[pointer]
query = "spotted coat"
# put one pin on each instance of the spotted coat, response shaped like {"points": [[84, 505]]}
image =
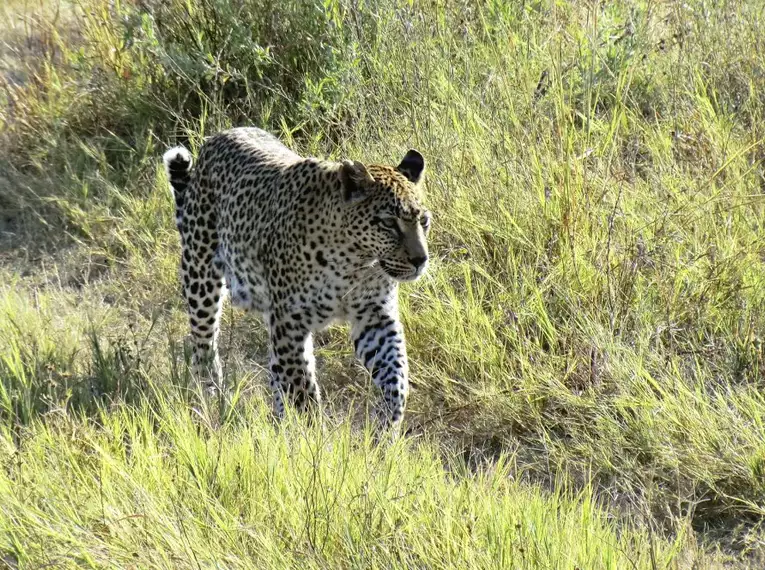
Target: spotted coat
{"points": [[304, 242]]}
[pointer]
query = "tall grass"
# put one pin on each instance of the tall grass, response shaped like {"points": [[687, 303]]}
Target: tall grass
{"points": [[596, 306], [162, 487]]}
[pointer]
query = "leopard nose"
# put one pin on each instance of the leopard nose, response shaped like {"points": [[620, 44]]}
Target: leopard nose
{"points": [[418, 261]]}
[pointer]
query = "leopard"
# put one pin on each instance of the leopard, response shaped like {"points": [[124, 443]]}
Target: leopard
{"points": [[305, 242]]}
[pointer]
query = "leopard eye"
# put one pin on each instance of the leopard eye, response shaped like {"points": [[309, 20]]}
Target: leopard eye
{"points": [[391, 223], [425, 221]]}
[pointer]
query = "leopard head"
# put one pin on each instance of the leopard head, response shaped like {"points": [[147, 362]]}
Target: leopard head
{"points": [[384, 216]]}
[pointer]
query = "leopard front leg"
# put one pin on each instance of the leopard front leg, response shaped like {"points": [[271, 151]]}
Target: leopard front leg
{"points": [[292, 367], [378, 340]]}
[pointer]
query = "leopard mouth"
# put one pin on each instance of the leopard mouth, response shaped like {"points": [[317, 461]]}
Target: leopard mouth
{"points": [[402, 273]]}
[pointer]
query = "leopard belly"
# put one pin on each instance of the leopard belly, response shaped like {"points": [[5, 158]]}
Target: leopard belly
{"points": [[246, 282]]}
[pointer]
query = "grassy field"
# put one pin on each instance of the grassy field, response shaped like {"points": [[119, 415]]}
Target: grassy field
{"points": [[588, 368]]}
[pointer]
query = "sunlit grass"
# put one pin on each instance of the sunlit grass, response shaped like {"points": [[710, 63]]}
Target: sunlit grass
{"points": [[168, 486]]}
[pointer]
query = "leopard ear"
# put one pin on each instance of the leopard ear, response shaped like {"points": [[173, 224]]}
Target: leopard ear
{"points": [[412, 166], [356, 181]]}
